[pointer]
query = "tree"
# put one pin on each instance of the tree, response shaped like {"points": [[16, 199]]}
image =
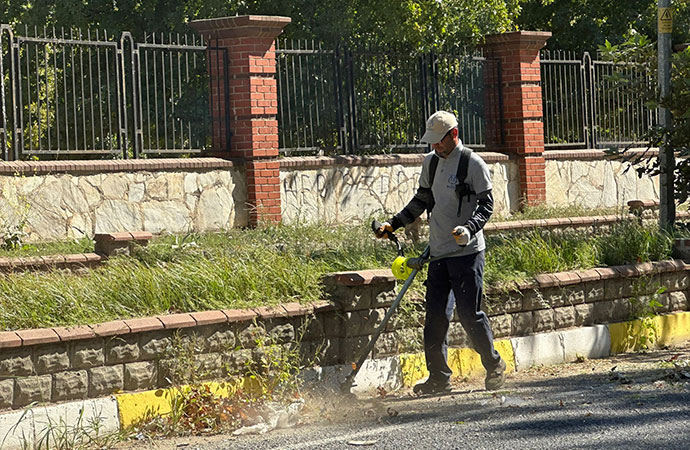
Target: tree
{"points": [[582, 25], [419, 24], [642, 51]]}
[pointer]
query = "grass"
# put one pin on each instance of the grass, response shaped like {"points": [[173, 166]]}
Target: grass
{"points": [[278, 264]]}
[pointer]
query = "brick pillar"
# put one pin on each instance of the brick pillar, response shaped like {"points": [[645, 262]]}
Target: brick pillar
{"points": [[253, 103], [518, 54]]}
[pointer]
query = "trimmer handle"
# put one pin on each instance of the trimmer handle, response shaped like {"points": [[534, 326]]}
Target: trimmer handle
{"points": [[376, 225]]}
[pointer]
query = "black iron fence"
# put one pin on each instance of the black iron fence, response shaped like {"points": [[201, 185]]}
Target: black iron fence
{"points": [[585, 106], [351, 102], [82, 95]]}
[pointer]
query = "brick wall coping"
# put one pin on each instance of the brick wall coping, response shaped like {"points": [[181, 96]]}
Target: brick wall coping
{"points": [[119, 165], [23, 338], [562, 222], [310, 162], [69, 261], [594, 154]]}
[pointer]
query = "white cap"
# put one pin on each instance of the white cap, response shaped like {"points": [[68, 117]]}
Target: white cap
{"points": [[437, 126]]}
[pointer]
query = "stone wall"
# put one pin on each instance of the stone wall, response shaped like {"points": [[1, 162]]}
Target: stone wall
{"points": [[64, 200], [345, 189], [587, 178], [56, 364]]}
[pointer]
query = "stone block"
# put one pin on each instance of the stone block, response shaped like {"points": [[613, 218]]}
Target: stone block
{"points": [[387, 344], [604, 312], [410, 340], [543, 320], [141, 375], [616, 288], [665, 301], [501, 325], [282, 334], [522, 323], [594, 291], [555, 297], [32, 389], [327, 352], [352, 347], [584, 314], [534, 299], [575, 295], [334, 324], [622, 309], [209, 365], [456, 335], [314, 328], [222, 339], [122, 350], [251, 335], [16, 363], [564, 317], [154, 345], [349, 298], [363, 322], [506, 301], [239, 360], [88, 354], [6, 393], [70, 385], [105, 380], [52, 359], [383, 294], [675, 281], [678, 301]]}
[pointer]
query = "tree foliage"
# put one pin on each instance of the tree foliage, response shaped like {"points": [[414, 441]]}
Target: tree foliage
{"points": [[642, 51], [582, 25], [418, 23]]}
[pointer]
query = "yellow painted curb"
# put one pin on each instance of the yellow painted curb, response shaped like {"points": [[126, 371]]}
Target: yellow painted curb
{"points": [[464, 362], [137, 406], [654, 331]]}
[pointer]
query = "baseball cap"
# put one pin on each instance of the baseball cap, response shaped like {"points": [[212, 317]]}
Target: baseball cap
{"points": [[437, 126]]}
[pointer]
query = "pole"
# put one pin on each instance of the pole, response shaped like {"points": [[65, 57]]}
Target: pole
{"points": [[667, 206]]}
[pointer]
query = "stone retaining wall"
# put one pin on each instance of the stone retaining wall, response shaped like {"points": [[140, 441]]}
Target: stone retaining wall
{"points": [[47, 200], [56, 364]]}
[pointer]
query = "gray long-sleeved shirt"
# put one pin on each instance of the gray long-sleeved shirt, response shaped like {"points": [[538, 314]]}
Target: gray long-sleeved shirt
{"points": [[476, 208]]}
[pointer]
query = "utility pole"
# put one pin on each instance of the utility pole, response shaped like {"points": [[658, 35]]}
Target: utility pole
{"points": [[667, 164]]}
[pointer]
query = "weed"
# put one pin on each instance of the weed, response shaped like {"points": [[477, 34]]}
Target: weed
{"points": [[644, 308]]}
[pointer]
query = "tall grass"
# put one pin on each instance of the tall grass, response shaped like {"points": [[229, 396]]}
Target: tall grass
{"points": [[277, 264]]}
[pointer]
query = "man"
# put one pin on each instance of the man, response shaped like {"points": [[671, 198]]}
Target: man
{"points": [[456, 268]]}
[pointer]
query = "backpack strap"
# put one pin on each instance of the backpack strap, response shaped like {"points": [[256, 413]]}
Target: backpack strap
{"points": [[432, 173], [432, 169], [463, 189]]}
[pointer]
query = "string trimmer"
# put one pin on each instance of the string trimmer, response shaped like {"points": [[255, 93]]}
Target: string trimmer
{"points": [[402, 271]]}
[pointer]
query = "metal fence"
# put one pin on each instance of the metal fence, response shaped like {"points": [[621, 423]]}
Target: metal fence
{"points": [[83, 95], [586, 106], [341, 101]]}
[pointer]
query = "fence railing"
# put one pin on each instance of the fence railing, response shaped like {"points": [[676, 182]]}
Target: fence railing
{"points": [[345, 101], [585, 107], [83, 95]]}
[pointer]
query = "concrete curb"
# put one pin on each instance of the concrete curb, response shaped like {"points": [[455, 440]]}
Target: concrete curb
{"points": [[28, 426]]}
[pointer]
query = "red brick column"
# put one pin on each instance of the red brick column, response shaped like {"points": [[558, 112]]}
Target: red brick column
{"points": [[253, 103], [518, 53]]}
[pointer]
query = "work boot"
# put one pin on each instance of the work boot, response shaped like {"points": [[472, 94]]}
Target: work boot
{"points": [[432, 386], [496, 377]]}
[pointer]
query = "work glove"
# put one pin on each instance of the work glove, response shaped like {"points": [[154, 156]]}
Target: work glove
{"points": [[461, 235], [383, 230], [415, 263]]}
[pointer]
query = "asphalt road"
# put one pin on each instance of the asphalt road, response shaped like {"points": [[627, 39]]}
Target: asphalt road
{"points": [[627, 402]]}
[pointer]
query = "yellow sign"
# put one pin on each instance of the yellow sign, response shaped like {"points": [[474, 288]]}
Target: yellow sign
{"points": [[665, 20]]}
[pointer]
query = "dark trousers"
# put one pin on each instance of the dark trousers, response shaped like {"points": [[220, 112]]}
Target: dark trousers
{"points": [[457, 282]]}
